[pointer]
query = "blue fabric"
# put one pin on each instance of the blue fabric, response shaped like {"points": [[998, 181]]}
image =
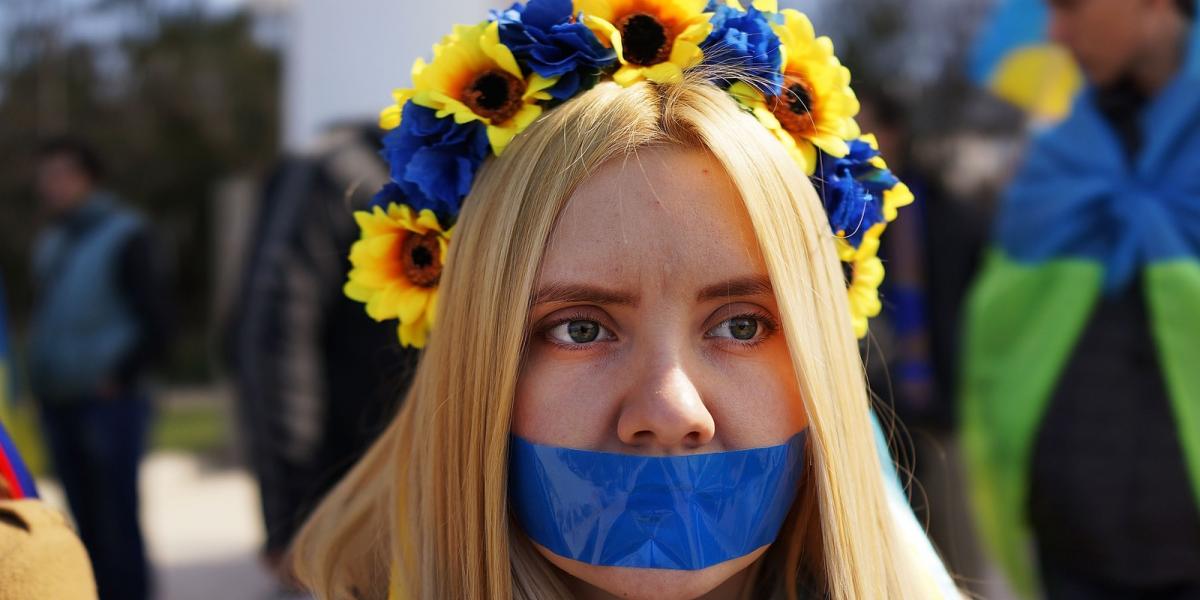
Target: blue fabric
{"points": [[1077, 197], [96, 445], [659, 512], [82, 327]]}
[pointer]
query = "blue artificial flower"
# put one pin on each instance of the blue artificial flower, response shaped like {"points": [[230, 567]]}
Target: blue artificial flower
{"points": [[744, 39], [548, 38], [432, 161], [852, 189]]}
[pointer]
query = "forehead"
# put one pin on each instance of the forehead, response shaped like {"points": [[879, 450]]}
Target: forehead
{"points": [[663, 214]]}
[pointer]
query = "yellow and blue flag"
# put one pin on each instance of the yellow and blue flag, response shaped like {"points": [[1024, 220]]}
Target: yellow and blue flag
{"points": [[1015, 60]]}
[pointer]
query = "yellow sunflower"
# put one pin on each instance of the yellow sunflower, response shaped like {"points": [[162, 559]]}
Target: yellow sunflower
{"points": [[868, 247], [867, 274], [816, 108], [653, 39], [475, 77], [389, 118], [396, 266]]}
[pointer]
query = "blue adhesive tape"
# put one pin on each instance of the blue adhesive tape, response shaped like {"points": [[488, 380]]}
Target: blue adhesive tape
{"points": [[656, 512]]}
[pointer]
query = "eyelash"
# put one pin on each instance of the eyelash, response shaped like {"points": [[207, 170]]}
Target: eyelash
{"points": [[768, 323], [545, 333]]}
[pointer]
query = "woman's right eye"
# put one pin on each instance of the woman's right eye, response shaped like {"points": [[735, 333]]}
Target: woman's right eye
{"points": [[578, 331]]}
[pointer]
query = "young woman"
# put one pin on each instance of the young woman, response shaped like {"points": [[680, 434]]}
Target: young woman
{"points": [[643, 381]]}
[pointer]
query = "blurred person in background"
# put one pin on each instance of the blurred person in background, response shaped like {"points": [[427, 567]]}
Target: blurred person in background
{"points": [[1082, 404], [918, 333], [101, 317], [317, 379]]}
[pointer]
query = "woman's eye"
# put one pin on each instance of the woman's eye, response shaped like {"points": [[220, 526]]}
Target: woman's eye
{"points": [[742, 329], [578, 331]]}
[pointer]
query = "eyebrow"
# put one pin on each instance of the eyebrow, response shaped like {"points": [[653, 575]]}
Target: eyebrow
{"points": [[755, 285], [555, 293]]}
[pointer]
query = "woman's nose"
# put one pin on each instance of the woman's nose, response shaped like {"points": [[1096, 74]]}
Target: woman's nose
{"points": [[665, 413]]}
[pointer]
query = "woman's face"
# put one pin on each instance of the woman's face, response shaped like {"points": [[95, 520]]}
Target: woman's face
{"points": [[654, 331]]}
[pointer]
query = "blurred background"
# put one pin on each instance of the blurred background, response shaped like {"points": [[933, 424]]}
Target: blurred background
{"points": [[208, 113]]}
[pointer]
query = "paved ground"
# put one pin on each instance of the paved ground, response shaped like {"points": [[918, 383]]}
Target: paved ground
{"points": [[202, 529]]}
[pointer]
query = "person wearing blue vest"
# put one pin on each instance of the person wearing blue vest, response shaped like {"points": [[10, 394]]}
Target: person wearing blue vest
{"points": [[101, 317]]}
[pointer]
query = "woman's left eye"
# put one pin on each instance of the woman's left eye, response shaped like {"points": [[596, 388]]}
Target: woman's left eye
{"points": [[742, 329]]}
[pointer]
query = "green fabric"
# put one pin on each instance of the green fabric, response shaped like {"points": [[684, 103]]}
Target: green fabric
{"points": [[1173, 298], [1022, 321]]}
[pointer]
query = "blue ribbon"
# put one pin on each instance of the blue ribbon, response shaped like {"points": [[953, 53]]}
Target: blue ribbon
{"points": [[657, 512]]}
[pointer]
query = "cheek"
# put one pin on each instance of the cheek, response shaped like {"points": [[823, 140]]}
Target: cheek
{"points": [[570, 402], [756, 401]]}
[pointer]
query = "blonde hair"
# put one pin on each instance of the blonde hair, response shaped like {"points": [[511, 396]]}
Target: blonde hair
{"points": [[425, 512]]}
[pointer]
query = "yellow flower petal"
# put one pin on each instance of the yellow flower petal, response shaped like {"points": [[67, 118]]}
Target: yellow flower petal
{"points": [[629, 75], [808, 156], [389, 118], [410, 303], [491, 46], [895, 198], [378, 276], [357, 292], [665, 72]]}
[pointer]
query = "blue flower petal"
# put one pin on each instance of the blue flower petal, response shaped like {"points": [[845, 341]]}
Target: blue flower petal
{"points": [[745, 40], [546, 38], [432, 162], [852, 189]]}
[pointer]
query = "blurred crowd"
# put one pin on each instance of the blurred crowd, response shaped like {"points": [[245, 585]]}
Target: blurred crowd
{"points": [[1036, 355]]}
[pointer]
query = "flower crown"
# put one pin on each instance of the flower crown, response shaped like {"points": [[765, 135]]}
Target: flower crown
{"points": [[487, 82]]}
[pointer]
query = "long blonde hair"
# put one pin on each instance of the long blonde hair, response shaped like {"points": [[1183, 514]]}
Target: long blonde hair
{"points": [[425, 512]]}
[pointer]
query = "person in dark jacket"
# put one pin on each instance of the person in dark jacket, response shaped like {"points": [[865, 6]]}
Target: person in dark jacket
{"points": [[317, 380], [100, 319]]}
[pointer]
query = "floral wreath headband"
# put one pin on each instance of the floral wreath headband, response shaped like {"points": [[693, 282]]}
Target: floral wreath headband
{"points": [[487, 82]]}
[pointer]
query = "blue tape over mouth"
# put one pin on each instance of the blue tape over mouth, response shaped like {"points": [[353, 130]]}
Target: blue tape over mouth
{"points": [[655, 512]]}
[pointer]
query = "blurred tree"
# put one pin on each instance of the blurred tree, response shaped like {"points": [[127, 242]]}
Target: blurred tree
{"points": [[175, 99]]}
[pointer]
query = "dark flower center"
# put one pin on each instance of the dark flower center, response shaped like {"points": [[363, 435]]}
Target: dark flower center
{"points": [[495, 95], [795, 106], [421, 257], [644, 39]]}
